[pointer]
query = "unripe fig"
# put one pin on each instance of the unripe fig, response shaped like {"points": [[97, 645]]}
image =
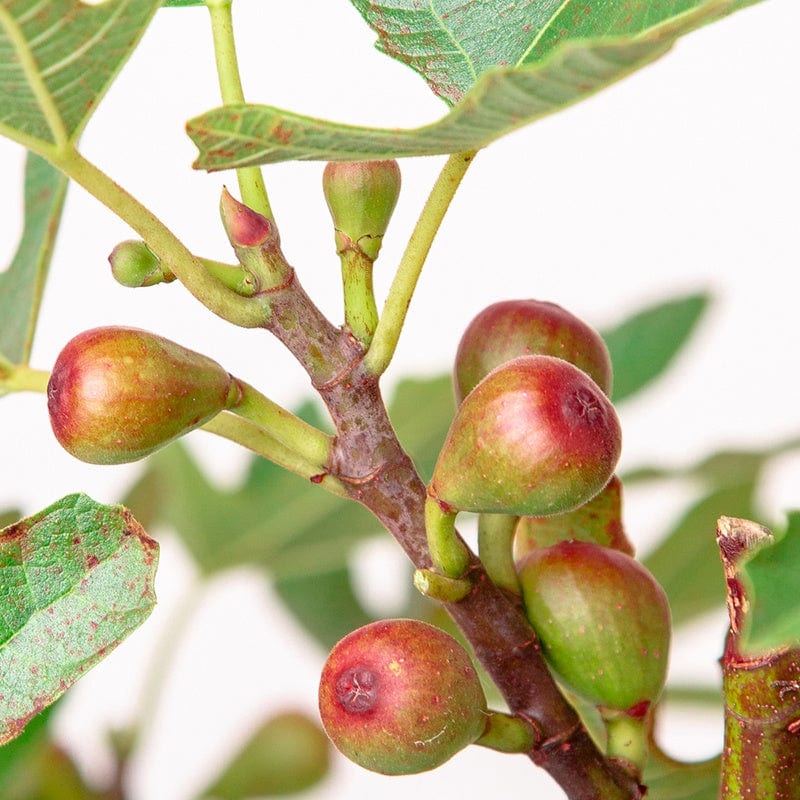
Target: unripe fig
{"points": [[598, 521], [361, 197], [603, 622], [513, 328], [117, 394], [134, 264], [400, 696], [536, 436]]}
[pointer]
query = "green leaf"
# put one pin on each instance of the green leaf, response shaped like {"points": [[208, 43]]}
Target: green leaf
{"points": [[421, 412], [451, 44], [75, 580], [643, 346], [687, 564], [57, 59], [22, 284], [774, 577], [501, 100], [672, 780]]}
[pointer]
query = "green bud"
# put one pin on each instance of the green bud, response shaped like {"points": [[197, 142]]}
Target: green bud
{"points": [[134, 264], [513, 328], [361, 197], [603, 622], [536, 436], [118, 394], [401, 696]]}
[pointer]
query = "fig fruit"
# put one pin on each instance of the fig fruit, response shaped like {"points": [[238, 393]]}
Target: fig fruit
{"points": [[400, 696], [361, 196], [603, 622], [536, 436], [513, 328], [117, 394], [598, 521]]}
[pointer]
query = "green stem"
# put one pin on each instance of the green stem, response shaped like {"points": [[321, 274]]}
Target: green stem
{"points": [[24, 379], [507, 733], [496, 549], [448, 553], [223, 301], [394, 311], [441, 588], [310, 444], [360, 311], [627, 739], [250, 435], [251, 179]]}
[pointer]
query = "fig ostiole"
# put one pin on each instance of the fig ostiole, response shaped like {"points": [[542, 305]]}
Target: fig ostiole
{"points": [[117, 394], [511, 328], [400, 697]]}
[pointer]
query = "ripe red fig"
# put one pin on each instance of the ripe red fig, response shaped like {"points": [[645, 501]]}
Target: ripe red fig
{"points": [[603, 622], [117, 394], [400, 696], [599, 521], [536, 436], [513, 328]]}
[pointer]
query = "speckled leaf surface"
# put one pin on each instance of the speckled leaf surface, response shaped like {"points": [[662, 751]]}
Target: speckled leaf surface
{"points": [[491, 96], [75, 580], [57, 58]]}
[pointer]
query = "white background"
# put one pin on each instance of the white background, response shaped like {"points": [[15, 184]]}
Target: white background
{"points": [[683, 177]]}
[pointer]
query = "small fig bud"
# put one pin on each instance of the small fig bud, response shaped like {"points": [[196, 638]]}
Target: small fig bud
{"points": [[361, 197], [400, 697], [117, 394], [288, 754], [512, 328], [134, 264], [598, 521], [603, 622], [536, 436]]}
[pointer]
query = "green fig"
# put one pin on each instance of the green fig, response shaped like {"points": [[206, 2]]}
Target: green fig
{"points": [[117, 394], [361, 196], [536, 436], [603, 622], [134, 264], [513, 328], [400, 697], [599, 521]]}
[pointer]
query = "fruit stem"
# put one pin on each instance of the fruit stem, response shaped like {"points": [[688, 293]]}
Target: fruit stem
{"points": [[439, 587], [393, 316], [22, 378], [251, 179], [225, 303], [496, 549], [360, 310], [250, 435], [311, 445], [627, 739], [507, 733], [448, 553]]}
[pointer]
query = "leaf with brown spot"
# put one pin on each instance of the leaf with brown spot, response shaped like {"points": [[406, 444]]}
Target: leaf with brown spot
{"points": [[75, 580]]}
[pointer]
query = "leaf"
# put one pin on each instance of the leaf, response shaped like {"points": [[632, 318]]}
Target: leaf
{"points": [[75, 580], [667, 779], [501, 100], [57, 59], [451, 44], [421, 412], [644, 345], [22, 284], [686, 563], [774, 577]]}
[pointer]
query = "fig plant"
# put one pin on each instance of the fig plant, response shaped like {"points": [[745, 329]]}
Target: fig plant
{"points": [[550, 618]]}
